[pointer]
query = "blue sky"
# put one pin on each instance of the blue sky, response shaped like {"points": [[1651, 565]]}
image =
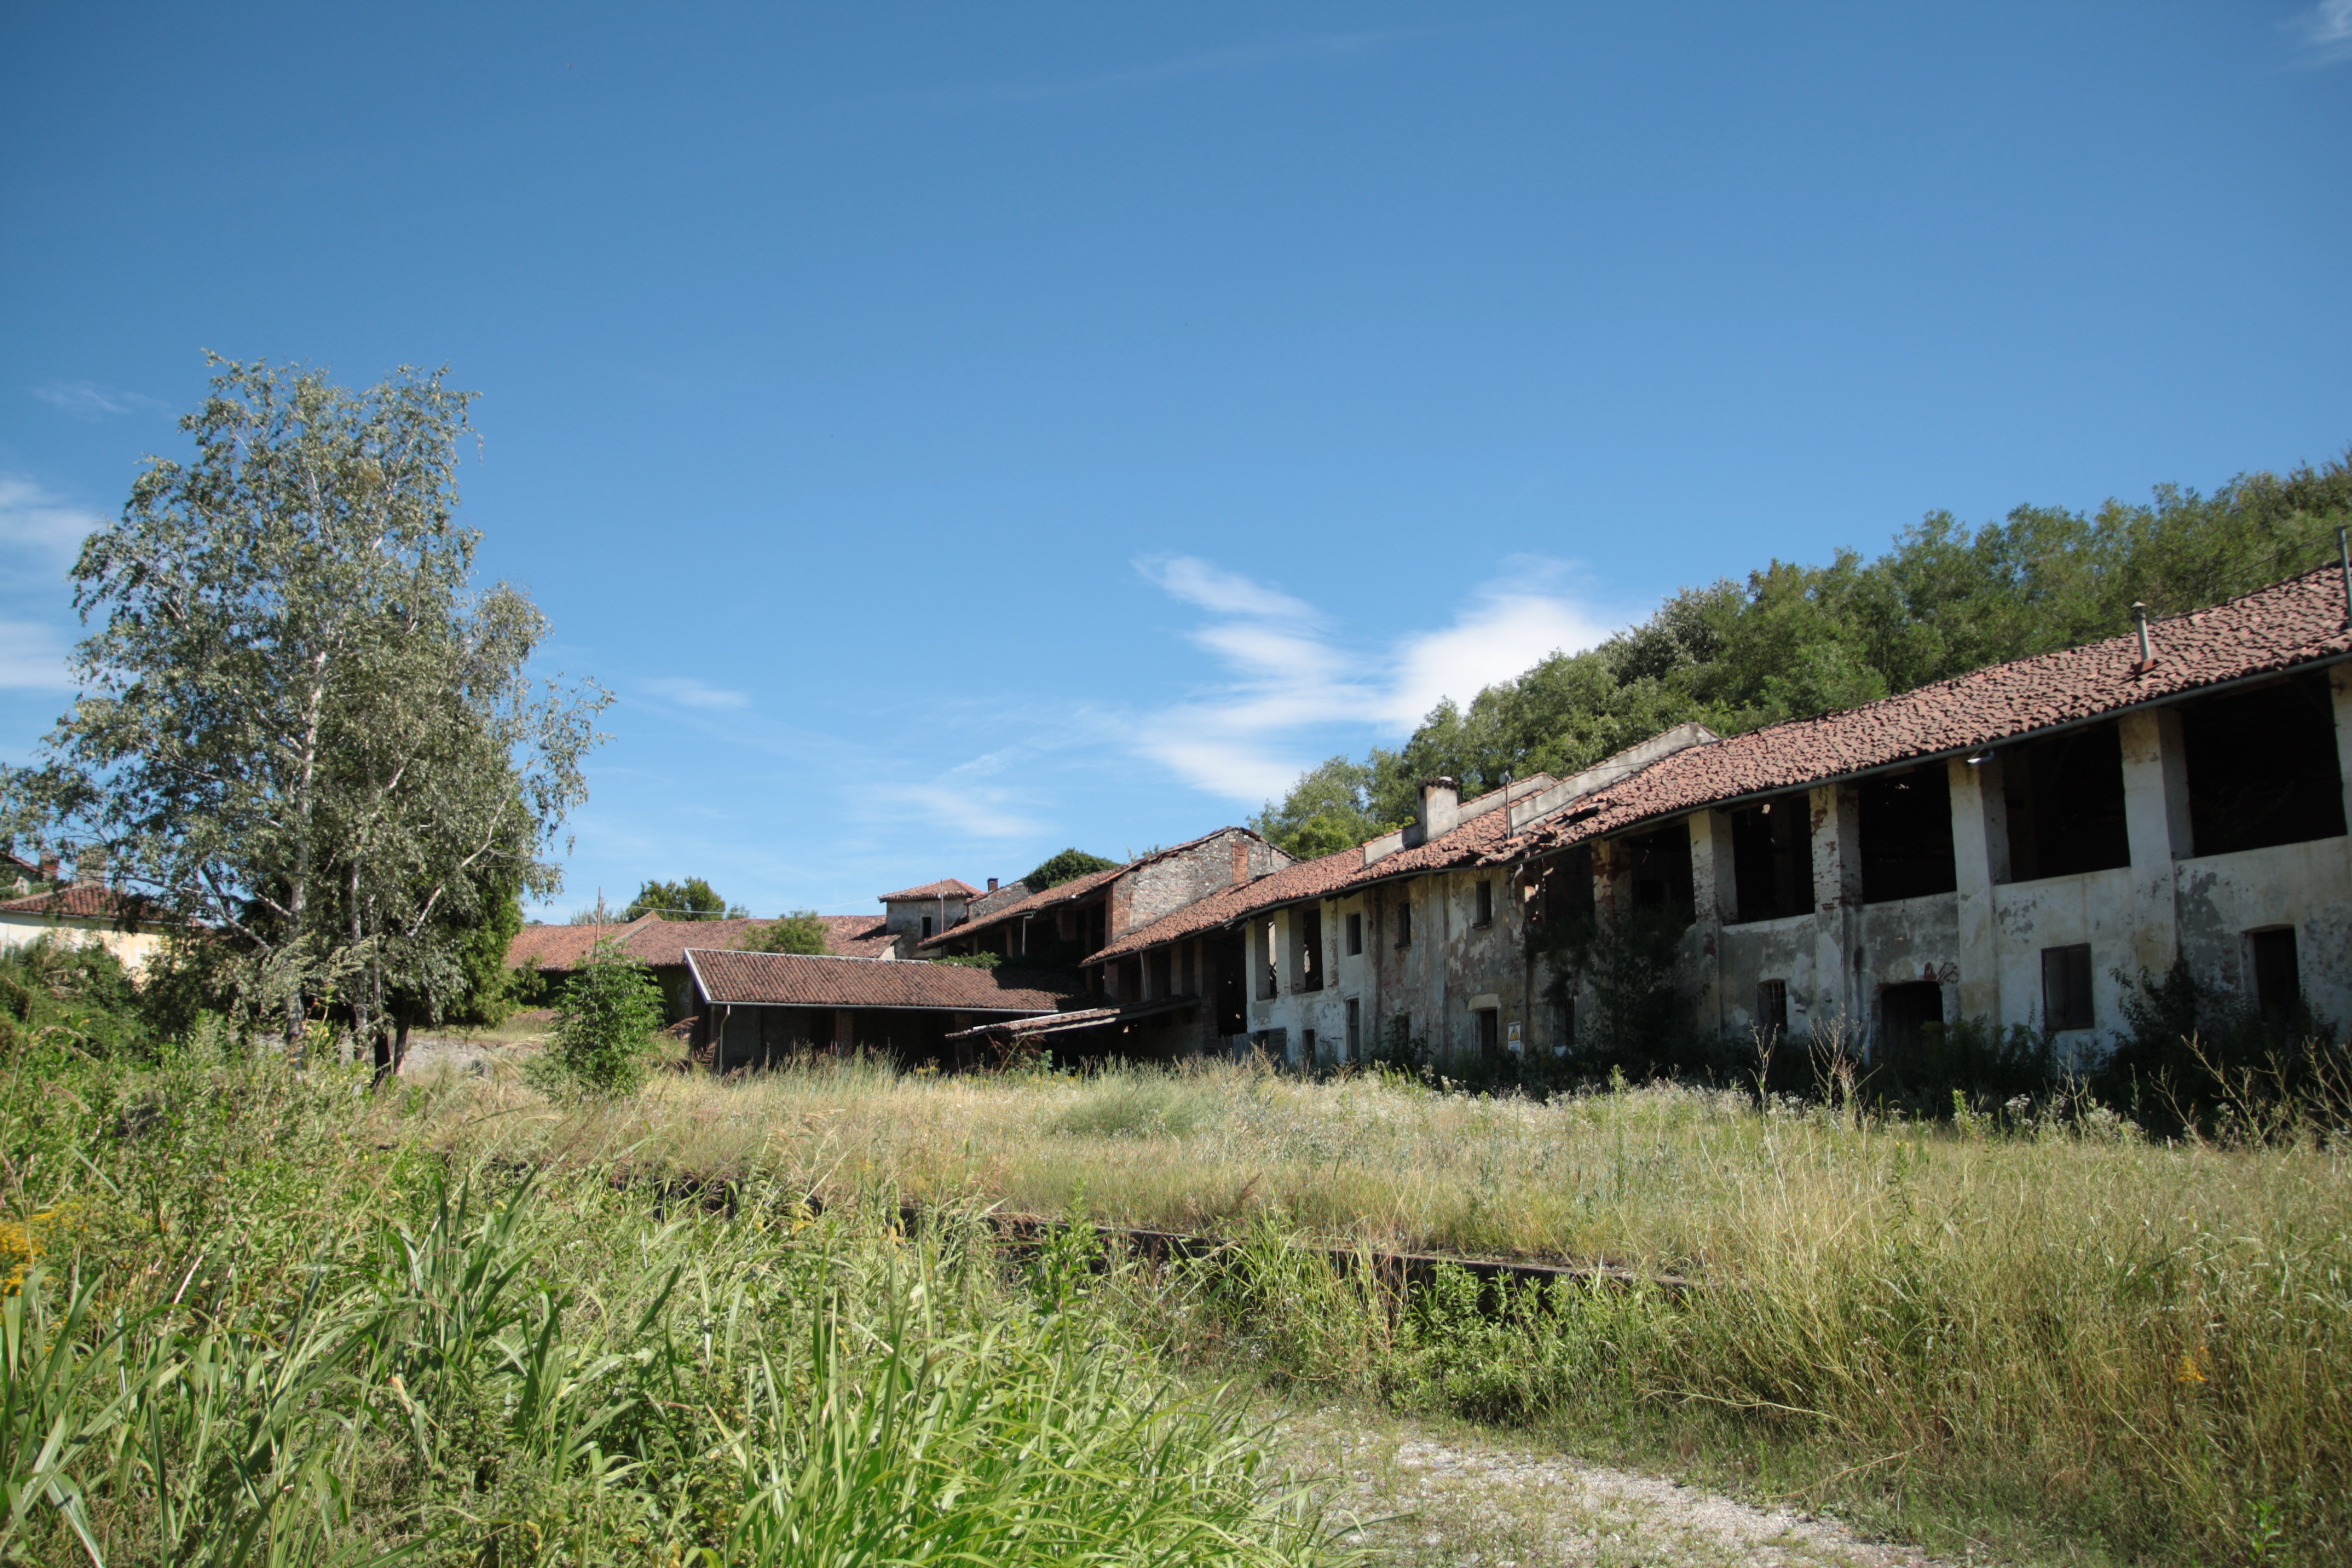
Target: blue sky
{"points": [[955, 432]]}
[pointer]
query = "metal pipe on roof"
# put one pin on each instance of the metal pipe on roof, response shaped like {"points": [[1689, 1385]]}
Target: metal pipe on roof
{"points": [[2139, 620], [2344, 560]]}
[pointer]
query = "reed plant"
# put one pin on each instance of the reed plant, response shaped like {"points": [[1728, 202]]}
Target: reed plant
{"points": [[283, 1327]]}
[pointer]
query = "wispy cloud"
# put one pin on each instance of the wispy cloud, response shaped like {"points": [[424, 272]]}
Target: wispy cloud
{"points": [[976, 811], [88, 400], [34, 519], [1247, 738], [2326, 30], [688, 692], [32, 658]]}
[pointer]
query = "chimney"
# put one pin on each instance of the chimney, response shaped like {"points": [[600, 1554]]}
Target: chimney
{"points": [[1241, 861], [991, 884], [1441, 808], [90, 865], [48, 865]]}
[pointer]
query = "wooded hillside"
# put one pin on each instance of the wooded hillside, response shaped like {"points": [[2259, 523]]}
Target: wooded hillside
{"points": [[1791, 640]]}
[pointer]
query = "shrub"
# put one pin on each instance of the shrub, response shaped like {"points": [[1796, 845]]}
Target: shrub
{"points": [[604, 1026], [1068, 865], [799, 932]]}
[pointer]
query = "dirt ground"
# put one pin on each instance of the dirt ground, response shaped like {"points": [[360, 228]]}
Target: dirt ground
{"points": [[1421, 1496]]}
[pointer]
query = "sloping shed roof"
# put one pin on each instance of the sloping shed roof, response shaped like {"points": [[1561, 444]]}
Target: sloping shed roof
{"points": [[949, 888], [1326, 877], [2300, 622], [1060, 893], [792, 980]]}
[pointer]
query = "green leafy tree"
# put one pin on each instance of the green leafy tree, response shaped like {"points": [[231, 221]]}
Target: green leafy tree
{"points": [[300, 723], [799, 932], [1067, 866], [603, 1025], [1330, 808], [689, 899]]}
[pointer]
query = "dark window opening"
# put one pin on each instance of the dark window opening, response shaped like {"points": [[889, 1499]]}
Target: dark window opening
{"points": [[1907, 834], [1310, 949], [1659, 866], [1355, 1030], [2066, 801], [1564, 887], [2278, 972], [1772, 1007], [1404, 925], [1130, 980], [1355, 935], [1229, 956], [1156, 975], [1772, 858], [1307, 1048], [1483, 904], [1266, 979], [2261, 767], [1904, 1013], [927, 926], [1490, 1043], [2066, 987]]}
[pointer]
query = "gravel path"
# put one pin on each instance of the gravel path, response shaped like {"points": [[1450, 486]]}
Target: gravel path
{"points": [[1465, 1501]]}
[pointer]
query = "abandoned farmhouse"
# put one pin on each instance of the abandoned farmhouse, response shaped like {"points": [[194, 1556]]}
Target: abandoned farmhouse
{"points": [[2014, 845]]}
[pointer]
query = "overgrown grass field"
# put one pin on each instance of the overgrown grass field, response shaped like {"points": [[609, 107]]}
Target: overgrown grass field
{"points": [[264, 1316], [2059, 1334]]}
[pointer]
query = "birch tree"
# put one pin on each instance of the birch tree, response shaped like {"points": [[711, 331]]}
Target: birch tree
{"points": [[300, 724]]}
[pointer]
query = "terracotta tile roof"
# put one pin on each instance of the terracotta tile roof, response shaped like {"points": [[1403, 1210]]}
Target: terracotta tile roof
{"points": [[651, 940], [2297, 622], [857, 936], [86, 901], [563, 947], [1324, 878], [778, 979], [950, 888], [1060, 893]]}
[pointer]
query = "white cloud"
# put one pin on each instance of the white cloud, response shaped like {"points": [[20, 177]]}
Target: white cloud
{"points": [[34, 519], [88, 400], [1248, 738], [32, 658], [2327, 29], [688, 692], [980, 813]]}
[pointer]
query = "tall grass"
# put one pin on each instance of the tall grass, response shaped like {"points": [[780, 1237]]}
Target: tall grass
{"points": [[279, 1329], [2148, 1346]]}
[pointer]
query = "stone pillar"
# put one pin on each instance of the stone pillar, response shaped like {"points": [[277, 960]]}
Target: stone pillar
{"points": [[1714, 898], [2156, 819], [1980, 859], [1837, 911]]}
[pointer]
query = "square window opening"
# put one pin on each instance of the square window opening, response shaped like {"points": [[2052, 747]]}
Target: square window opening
{"points": [[2066, 987]]}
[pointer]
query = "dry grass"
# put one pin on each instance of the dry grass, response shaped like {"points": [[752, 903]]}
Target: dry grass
{"points": [[2149, 1345]]}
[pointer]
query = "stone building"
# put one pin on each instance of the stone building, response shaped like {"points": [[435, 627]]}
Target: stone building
{"points": [[2017, 844]]}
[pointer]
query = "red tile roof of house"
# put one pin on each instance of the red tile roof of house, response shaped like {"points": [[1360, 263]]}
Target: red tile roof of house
{"points": [[563, 947], [2299, 623], [778, 979], [950, 888], [86, 901], [661, 943]]}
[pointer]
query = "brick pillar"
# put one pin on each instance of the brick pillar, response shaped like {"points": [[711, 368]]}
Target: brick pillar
{"points": [[1980, 861], [1837, 911], [1715, 895], [2156, 819]]}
